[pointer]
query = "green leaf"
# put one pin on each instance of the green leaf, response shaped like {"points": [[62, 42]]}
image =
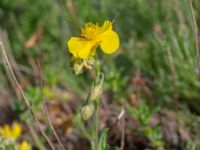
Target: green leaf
{"points": [[103, 140]]}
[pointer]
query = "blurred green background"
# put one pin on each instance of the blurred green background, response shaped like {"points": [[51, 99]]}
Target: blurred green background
{"points": [[150, 31], [156, 60]]}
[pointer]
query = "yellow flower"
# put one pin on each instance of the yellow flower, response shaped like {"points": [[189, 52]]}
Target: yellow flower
{"points": [[93, 35], [11, 132], [25, 146]]}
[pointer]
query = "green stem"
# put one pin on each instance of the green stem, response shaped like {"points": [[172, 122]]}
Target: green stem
{"points": [[96, 117], [96, 126]]}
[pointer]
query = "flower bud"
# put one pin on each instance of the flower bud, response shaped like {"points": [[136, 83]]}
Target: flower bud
{"points": [[97, 88], [87, 111], [89, 64], [78, 67], [96, 92]]}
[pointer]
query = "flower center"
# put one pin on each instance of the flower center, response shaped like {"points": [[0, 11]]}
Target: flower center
{"points": [[90, 31]]}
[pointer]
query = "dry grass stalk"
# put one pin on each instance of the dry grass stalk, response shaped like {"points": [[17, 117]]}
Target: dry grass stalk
{"points": [[26, 102]]}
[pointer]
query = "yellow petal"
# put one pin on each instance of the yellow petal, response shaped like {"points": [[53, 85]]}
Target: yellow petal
{"points": [[7, 131], [107, 26], [25, 146], [81, 48], [16, 130], [74, 45], [110, 42]]}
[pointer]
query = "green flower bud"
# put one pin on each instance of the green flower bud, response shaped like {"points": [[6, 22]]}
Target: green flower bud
{"points": [[97, 88], [78, 67], [96, 92], [87, 111]]}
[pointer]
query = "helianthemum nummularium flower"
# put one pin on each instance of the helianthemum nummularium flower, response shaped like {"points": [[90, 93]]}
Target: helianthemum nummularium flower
{"points": [[83, 49], [25, 146], [13, 132], [93, 35]]}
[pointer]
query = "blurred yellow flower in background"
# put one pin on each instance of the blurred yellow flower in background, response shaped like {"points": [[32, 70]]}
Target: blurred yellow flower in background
{"points": [[25, 146], [93, 35], [11, 132]]}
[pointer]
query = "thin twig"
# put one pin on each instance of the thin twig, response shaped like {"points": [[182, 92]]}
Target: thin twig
{"points": [[24, 97], [195, 34], [6, 69], [51, 126], [36, 138], [46, 109], [117, 120], [115, 17], [5, 40], [123, 132]]}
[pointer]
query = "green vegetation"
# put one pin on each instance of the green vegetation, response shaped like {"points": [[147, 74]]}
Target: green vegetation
{"points": [[153, 75]]}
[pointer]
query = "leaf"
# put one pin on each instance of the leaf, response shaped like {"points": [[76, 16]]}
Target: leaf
{"points": [[103, 140]]}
